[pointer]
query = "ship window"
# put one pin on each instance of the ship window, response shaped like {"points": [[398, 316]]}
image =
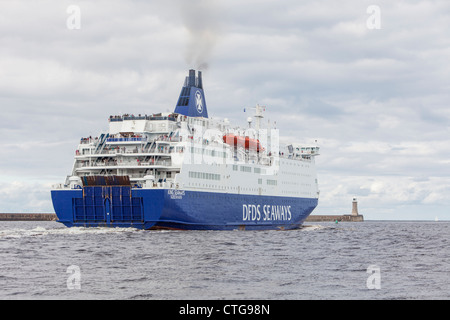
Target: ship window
{"points": [[246, 169], [204, 175]]}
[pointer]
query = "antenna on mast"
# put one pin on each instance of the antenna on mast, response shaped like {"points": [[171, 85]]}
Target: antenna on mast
{"points": [[258, 115]]}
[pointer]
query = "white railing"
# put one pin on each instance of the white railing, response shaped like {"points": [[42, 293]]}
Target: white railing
{"points": [[164, 163]]}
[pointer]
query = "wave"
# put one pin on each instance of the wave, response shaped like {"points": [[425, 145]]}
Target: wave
{"points": [[314, 227], [41, 231]]}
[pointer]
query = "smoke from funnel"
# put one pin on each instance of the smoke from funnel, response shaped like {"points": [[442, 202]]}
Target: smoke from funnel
{"points": [[201, 19]]}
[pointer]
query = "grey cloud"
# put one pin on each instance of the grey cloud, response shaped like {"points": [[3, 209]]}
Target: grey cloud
{"points": [[320, 71]]}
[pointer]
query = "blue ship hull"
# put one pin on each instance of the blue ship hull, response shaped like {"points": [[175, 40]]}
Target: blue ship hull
{"points": [[122, 206]]}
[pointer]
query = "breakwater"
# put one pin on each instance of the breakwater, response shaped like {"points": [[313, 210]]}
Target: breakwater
{"points": [[344, 218], [27, 217]]}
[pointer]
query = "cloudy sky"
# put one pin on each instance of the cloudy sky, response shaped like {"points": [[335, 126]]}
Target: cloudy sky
{"points": [[375, 93]]}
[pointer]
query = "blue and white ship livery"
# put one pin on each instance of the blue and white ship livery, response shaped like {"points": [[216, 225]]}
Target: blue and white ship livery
{"points": [[185, 170]]}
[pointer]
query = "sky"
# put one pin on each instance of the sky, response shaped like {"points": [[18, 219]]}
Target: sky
{"points": [[369, 80]]}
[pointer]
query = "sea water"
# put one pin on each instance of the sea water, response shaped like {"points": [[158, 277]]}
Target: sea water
{"points": [[366, 260]]}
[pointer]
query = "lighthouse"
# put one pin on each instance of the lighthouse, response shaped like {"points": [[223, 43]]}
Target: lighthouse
{"points": [[355, 216], [355, 207]]}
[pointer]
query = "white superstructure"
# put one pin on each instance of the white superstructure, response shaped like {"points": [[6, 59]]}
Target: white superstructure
{"points": [[195, 153]]}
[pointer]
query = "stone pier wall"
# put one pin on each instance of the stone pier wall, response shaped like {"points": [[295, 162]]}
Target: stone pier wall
{"points": [[27, 217], [345, 217]]}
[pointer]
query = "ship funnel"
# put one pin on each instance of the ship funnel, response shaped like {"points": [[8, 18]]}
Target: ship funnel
{"points": [[192, 101], [200, 82], [191, 81]]}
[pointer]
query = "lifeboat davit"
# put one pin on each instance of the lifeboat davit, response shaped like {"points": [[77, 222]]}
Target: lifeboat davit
{"points": [[244, 142]]}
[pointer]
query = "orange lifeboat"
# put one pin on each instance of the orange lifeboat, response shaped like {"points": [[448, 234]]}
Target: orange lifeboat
{"points": [[230, 139], [244, 142]]}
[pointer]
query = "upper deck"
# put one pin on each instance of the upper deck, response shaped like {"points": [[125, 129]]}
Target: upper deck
{"points": [[179, 150]]}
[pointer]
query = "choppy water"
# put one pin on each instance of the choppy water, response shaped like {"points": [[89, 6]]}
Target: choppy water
{"points": [[321, 261]]}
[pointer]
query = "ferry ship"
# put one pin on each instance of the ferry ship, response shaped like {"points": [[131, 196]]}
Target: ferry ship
{"points": [[186, 170]]}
